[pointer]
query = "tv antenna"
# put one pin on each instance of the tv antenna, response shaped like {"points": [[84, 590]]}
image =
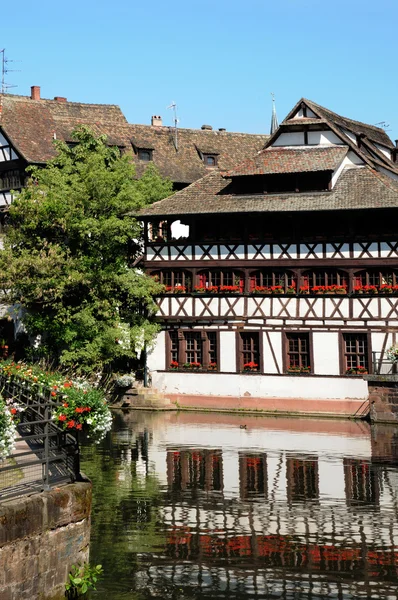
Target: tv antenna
{"points": [[5, 70], [173, 106], [383, 125]]}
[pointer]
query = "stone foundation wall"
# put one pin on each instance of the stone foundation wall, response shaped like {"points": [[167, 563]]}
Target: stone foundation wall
{"points": [[41, 536], [383, 398]]}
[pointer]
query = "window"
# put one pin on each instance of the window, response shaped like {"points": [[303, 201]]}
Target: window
{"points": [[314, 279], [144, 154], [252, 475], [10, 180], [282, 280], [298, 352], [220, 281], [188, 349], [355, 353], [380, 280], [193, 347], [361, 483], [174, 281], [195, 469], [249, 351], [302, 478], [210, 160]]}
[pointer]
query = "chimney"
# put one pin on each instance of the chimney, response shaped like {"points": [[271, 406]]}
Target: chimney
{"points": [[156, 121], [35, 92], [59, 99], [207, 128]]}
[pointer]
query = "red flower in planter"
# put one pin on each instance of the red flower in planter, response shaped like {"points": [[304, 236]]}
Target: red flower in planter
{"points": [[174, 364], [230, 288], [250, 366]]}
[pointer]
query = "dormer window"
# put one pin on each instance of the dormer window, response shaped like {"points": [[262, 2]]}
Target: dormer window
{"points": [[210, 160], [145, 154]]}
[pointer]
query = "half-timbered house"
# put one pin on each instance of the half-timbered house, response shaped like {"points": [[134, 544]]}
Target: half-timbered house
{"points": [[30, 124], [284, 282]]}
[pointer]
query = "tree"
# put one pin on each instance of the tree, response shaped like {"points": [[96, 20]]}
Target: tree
{"points": [[69, 247]]}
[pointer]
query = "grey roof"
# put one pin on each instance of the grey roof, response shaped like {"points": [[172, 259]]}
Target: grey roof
{"points": [[356, 188]]}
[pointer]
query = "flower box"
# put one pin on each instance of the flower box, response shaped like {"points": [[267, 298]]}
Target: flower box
{"points": [[357, 371], [259, 289], [212, 367], [193, 366], [298, 370], [250, 367], [230, 289], [176, 289], [202, 289]]}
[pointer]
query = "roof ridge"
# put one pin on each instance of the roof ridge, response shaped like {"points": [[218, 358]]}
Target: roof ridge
{"points": [[343, 117], [52, 100]]}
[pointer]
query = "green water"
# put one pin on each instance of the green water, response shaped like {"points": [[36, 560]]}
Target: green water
{"points": [[212, 506]]}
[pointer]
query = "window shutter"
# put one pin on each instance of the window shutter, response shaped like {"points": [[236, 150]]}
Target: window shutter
{"points": [[202, 279]]}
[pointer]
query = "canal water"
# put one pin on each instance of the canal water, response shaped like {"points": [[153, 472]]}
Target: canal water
{"points": [[201, 505]]}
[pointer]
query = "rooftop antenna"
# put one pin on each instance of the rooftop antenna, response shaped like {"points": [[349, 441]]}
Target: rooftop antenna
{"points": [[274, 118], [4, 70], [383, 125], [173, 106]]}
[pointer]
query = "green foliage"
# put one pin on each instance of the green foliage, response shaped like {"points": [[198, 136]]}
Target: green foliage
{"points": [[69, 250], [81, 579]]}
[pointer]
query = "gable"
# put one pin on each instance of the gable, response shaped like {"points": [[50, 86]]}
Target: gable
{"points": [[7, 152]]}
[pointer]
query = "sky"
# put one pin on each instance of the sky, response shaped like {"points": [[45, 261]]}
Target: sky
{"points": [[219, 60]]}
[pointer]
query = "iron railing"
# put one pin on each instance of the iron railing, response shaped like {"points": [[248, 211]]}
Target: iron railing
{"points": [[45, 455], [382, 365]]}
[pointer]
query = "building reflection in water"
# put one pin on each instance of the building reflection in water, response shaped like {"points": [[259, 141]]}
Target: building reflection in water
{"points": [[272, 514]]}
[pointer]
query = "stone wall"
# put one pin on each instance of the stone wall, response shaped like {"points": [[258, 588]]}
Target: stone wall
{"points": [[41, 536], [383, 398]]}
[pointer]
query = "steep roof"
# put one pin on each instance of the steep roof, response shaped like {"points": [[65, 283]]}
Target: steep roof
{"points": [[32, 124], [376, 134], [356, 188], [291, 160]]}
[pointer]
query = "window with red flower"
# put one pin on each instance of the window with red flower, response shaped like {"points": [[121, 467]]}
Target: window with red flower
{"points": [[249, 351], [267, 278], [197, 348]]}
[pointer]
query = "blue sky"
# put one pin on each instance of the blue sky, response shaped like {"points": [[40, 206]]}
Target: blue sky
{"points": [[219, 60]]}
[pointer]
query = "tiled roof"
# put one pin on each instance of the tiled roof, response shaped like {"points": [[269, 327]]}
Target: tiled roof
{"points": [[291, 160], [31, 125], [356, 188], [372, 132]]}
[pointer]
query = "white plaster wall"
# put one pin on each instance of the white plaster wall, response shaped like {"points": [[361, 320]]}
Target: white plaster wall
{"points": [[272, 341], [324, 138], [349, 161], [260, 386], [227, 351], [385, 150], [290, 139], [350, 135], [326, 353], [156, 359], [378, 341]]}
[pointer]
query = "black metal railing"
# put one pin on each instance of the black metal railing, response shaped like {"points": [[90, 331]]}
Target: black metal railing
{"points": [[45, 455], [381, 365]]}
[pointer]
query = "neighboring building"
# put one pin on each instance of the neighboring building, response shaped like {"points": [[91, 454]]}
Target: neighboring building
{"points": [[287, 279], [29, 125]]}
